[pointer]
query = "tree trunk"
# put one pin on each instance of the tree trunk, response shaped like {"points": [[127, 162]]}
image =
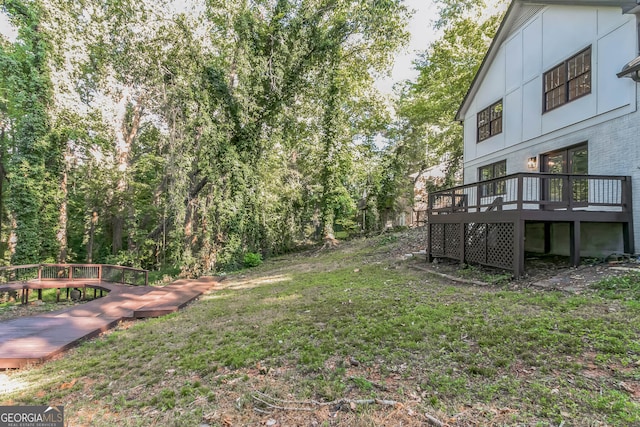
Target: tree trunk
{"points": [[330, 169], [116, 234], [92, 231], [129, 119], [61, 235], [13, 237]]}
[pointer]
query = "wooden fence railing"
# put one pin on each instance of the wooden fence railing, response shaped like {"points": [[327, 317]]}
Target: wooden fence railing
{"points": [[536, 191], [86, 273]]}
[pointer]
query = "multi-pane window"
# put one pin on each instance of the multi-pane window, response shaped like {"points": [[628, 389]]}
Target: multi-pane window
{"points": [[573, 160], [489, 172], [490, 121], [568, 81]]}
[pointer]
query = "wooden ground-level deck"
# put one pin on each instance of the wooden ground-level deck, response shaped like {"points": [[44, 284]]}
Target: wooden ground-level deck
{"points": [[34, 339]]}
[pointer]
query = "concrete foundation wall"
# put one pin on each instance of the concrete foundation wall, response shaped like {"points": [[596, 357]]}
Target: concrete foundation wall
{"points": [[597, 239]]}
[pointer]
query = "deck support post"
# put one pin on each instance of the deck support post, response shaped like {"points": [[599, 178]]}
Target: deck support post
{"points": [[57, 294], [40, 294], [547, 237], [627, 236], [462, 238], [429, 257], [518, 247], [574, 237], [627, 227]]}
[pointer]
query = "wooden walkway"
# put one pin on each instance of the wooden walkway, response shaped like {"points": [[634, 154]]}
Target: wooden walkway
{"points": [[34, 339]]}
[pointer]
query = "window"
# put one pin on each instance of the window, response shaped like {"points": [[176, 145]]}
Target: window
{"points": [[568, 81], [572, 160], [489, 172], [490, 121]]}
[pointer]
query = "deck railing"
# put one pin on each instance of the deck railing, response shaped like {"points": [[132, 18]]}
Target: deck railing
{"points": [[536, 191], [87, 273]]}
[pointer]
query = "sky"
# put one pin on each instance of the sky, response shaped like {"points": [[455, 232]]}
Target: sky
{"points": [[6, 29], [422, 35], [420, 27]]}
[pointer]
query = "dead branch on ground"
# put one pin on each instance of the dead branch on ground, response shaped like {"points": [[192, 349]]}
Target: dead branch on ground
{"points": [[273, 403]]}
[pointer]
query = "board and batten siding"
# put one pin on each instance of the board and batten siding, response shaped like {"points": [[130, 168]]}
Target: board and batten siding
{"points": [[607, 118]]}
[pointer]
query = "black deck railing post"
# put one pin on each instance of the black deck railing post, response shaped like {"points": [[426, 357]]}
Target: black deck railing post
{"points": [[567, 191], [627, 227], [571, 191], [520, 191]]}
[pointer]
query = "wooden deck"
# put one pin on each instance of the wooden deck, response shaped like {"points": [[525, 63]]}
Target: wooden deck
{"points": [[34, 339], [485, 222]]}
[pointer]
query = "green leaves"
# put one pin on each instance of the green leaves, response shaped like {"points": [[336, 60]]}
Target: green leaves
{"points": [[428, 105], [191, 138]]}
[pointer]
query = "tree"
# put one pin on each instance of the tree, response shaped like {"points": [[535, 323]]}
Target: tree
{"points": [[192, 138], [33, 164], [426, 133]]}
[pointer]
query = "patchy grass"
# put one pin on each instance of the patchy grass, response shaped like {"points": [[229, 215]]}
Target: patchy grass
{"points": [[488, 275], [621, 287], [351, 325]]}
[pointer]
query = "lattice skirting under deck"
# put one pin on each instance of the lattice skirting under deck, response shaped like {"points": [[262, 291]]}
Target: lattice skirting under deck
{"points": [[490, 244]]}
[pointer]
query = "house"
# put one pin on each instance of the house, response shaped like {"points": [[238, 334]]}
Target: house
{"points": [[423, 182], [551, 139]]}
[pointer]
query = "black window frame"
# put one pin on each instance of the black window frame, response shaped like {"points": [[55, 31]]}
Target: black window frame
{"points": [[567, 81], [489, 121], [497, 187]]}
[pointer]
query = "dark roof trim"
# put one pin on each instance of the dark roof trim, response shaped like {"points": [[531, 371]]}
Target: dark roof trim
{"points": [[631, 67], [626, 5]]}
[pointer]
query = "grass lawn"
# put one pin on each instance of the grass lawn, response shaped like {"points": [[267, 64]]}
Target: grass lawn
{"points": [[355, 337]]}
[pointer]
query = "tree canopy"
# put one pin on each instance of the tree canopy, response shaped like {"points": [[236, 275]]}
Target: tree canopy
{"points": [[189, 135], [151, 134]]}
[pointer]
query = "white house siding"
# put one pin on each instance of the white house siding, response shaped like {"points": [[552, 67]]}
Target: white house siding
{"points": [[607, 119], [515, 75]]}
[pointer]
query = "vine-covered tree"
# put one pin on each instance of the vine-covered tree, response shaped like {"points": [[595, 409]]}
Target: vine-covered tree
{"points": [[30, 153], [189, 137]]}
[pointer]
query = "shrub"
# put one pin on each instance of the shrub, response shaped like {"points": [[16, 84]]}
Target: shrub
{"points": [[252, 259]]}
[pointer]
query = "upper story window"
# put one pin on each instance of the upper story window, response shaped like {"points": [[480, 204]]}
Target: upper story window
{"points": [[568, 81], [490, 121]]}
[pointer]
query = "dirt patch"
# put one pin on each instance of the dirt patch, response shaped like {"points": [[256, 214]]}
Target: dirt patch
{"points": [[552, 274], [546, 272]]}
